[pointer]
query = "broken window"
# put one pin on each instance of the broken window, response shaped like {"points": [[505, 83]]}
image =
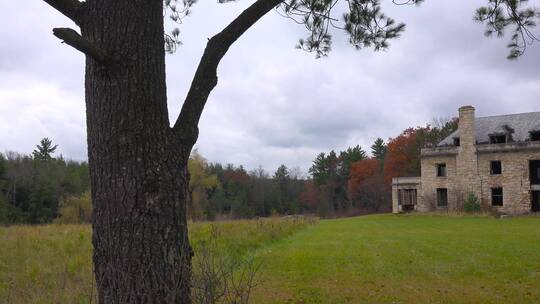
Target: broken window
{"points": [[534, 170], [441, 170], [535, 136], [456, 141], [497, 196], [407, 197], [495, 167], [442, 197], [497, 139]]}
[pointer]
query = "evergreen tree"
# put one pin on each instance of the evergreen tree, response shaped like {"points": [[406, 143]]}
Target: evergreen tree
{"points": [[128, 123], [319, 169], [281, 182], [44, 149], [348, 157], [378, 149]]}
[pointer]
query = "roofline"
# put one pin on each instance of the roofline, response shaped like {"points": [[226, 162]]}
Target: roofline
{"points": [[491, 116]]}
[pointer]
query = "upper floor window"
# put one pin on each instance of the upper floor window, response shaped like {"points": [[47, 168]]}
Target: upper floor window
{"points": [[535, 136], [456, 141], [497, 196], [497, 139], [495, 167], [441, 170]]}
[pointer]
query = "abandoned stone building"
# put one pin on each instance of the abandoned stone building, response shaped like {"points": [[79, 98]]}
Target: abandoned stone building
{"points": [[496, 158]]}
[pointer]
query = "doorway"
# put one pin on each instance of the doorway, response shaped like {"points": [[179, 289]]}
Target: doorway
{"points": [[535, 203]]}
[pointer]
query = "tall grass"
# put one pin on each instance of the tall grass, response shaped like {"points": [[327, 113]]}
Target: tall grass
{"points": [[53, 263]]}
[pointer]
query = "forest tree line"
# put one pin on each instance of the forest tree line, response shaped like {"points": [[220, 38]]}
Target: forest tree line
{"points": [[41, 188], [34, 187]]}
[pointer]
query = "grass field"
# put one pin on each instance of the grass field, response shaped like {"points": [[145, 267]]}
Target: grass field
{"points": [[406, 259], [53, 263], [370, 259]]}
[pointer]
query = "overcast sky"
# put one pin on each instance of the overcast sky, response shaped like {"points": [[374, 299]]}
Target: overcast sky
{"points": [[275, 104]]}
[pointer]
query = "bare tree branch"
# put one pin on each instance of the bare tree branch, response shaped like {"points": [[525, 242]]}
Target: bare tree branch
{"points": [[205, 78], [69, 8], [72, 38]]}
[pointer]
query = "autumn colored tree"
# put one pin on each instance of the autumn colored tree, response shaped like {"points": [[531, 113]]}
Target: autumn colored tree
{"points": [[402, 156], [366, 186], [403, 152], [309, 197], [139, 160], [236, 183], [201, 183]]}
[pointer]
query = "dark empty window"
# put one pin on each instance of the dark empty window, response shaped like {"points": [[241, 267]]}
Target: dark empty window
{"points": [[535, 136], [497, 196], [441, 170], [456, 141], [442, 197], [534, 169], [495, 167], [497, 139]]}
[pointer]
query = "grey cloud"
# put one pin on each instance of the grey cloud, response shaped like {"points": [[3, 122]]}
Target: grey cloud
{"points": [[275, 104]]}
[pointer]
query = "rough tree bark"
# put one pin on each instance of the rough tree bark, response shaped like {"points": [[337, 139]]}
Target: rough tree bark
{"points": [[138, 163]]}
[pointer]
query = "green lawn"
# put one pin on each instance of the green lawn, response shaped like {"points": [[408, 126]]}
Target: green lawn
{"points": [[405, 259], [371, 259]]}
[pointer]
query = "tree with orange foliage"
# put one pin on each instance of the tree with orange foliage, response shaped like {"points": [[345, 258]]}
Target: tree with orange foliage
{"points": [[309, 197], [403, 152], [402, 156], [366, 186]]}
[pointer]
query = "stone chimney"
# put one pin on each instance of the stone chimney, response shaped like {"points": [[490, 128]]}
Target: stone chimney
{"points": [[466, 160], [467, 136]]}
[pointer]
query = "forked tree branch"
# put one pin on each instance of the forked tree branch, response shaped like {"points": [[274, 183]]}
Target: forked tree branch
{"points": [[72, 38], [205, 78], [69, 8]]}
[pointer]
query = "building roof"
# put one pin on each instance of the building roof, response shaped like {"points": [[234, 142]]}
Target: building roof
{"points": [[520, 126]]}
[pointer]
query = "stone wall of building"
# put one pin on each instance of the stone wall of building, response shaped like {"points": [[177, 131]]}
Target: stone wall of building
{"points": [[514, 180], [469, 171], [430, 182]]}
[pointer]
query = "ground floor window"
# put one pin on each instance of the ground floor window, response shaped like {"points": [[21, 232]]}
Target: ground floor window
{"points": [[534, 169], [442, 197], [497, 196], [407, 197]]}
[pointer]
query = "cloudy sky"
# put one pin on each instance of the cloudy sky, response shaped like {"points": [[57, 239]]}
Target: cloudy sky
{"points": [[275, 104]]}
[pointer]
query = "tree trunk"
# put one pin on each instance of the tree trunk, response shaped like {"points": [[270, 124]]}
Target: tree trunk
{"points": [[138, 167], [138, 163]]}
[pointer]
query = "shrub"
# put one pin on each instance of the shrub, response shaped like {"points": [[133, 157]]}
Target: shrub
{"points": [[76, 209], [220, 277], [471, 203]]}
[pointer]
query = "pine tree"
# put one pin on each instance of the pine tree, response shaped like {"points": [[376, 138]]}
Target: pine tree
{"points": [[378, 149], [44, 149], [138, 162]]}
